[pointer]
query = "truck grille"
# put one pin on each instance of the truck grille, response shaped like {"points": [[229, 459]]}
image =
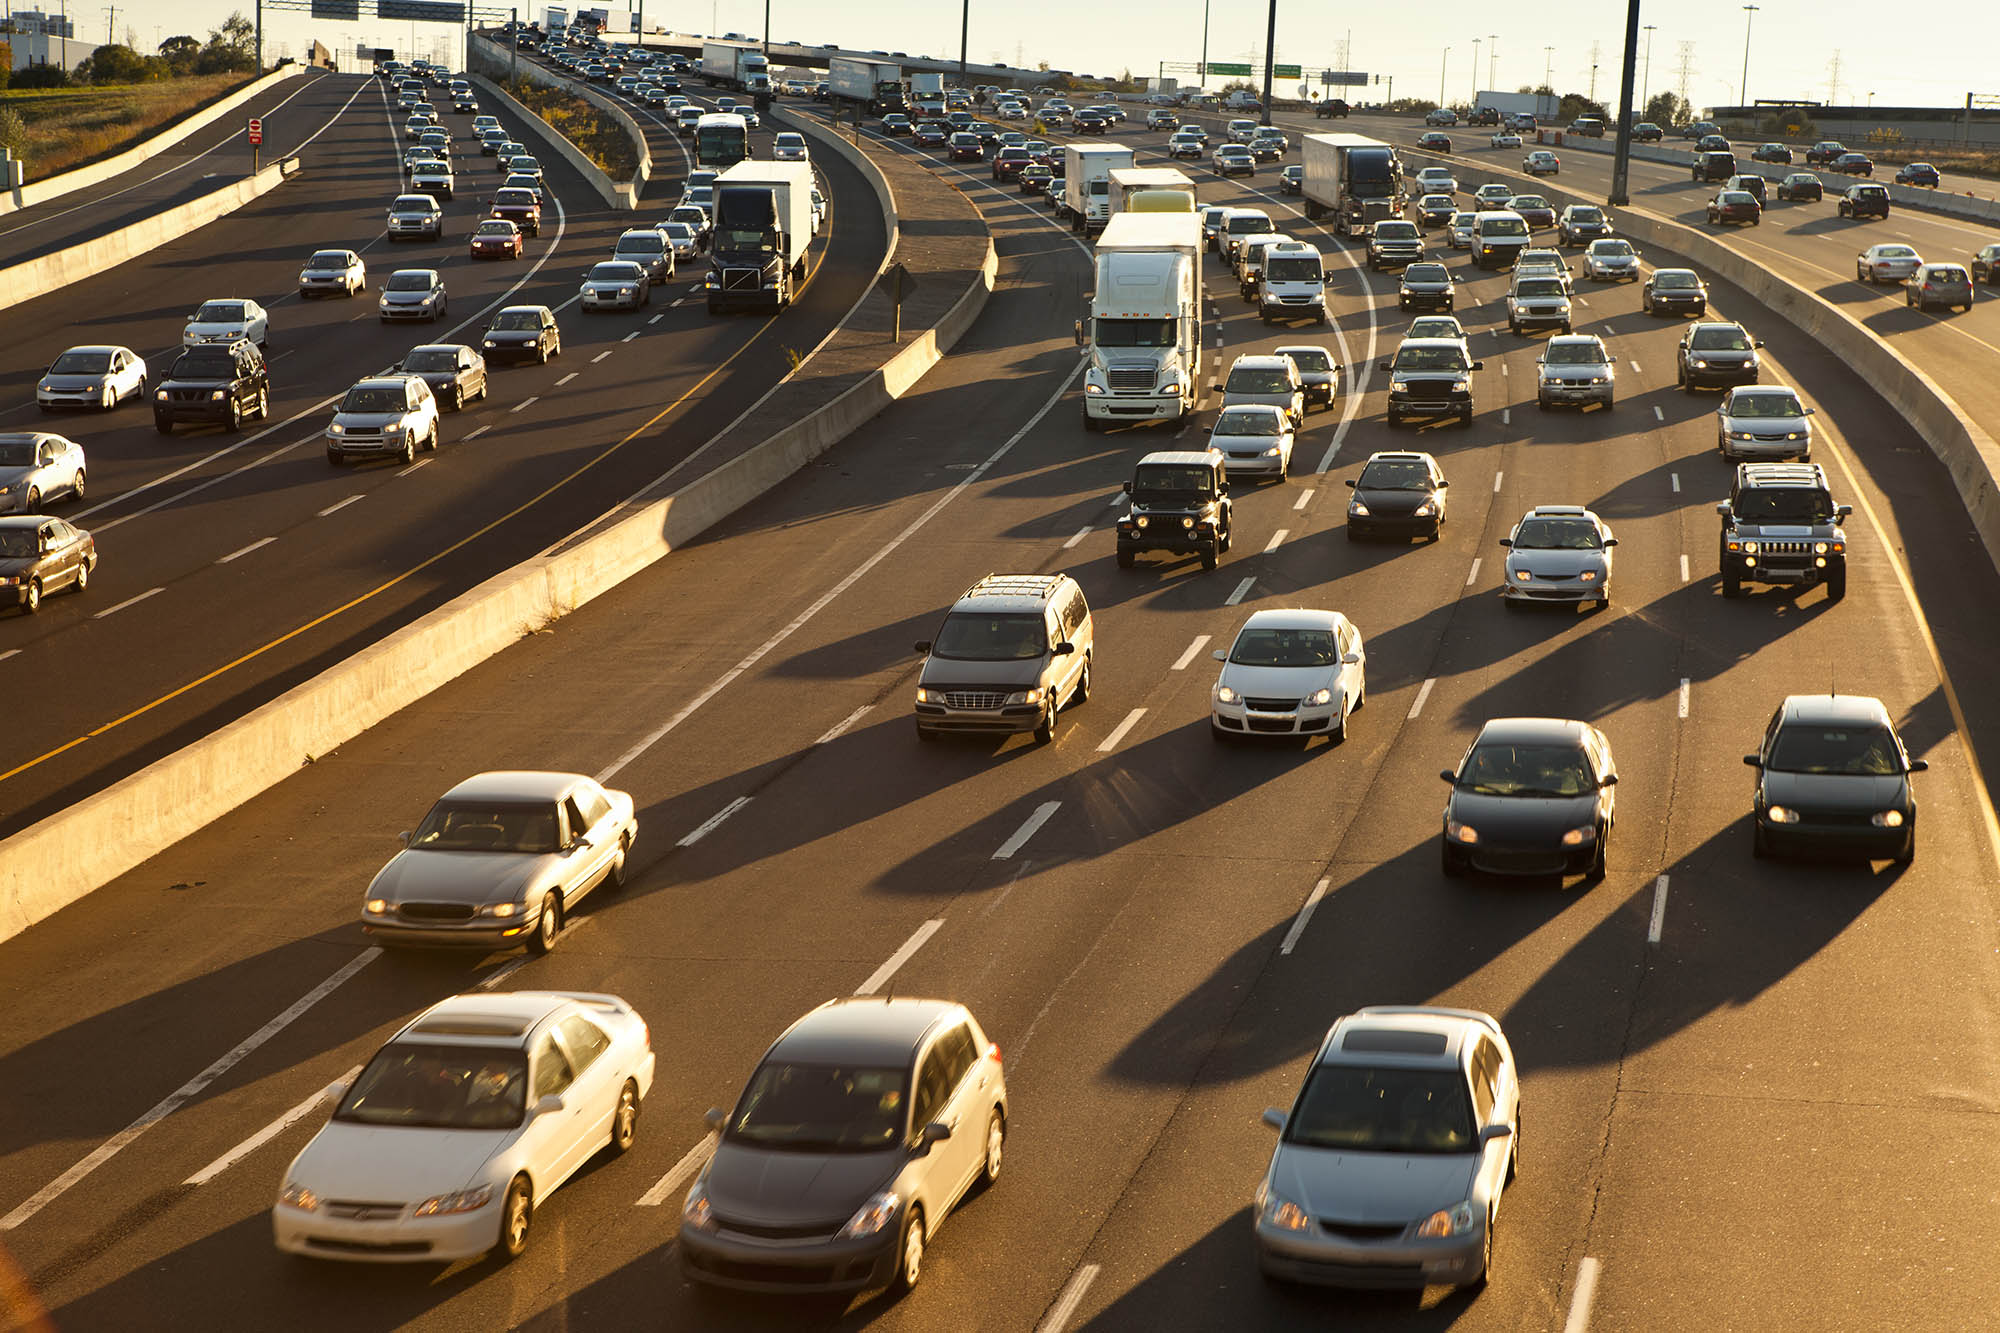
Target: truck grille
{"points": [[1784, 548], [975, 698], [1129, 379], [741, 279], [1428, 390]]}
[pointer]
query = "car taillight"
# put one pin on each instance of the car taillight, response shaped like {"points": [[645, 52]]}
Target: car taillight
{"points": [[993, 1051]]}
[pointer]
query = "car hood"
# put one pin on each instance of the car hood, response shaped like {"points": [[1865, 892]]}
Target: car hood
{"points": [[1257, 442], [20, 564], [408, 213], [512, 335], [1269, 682], [197, 382], [234, 329], [768, 1188], [391, 1163], [69, 381], [1830, 791], [611, 286], [1371, 1188], [1575, 374], [1522, 818], [1386, 502], [1428, 286], [1559, 564], [1614, 261], [460, 877], [1024, 672], [329, 272], [405, 298], [1799, 426]]}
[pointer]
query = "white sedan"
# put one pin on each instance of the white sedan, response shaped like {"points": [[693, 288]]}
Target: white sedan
{"points": [[789, 146], [1506, 139], [227, 321], [1291, 672], [1888, 262], [92, 377], [458, 1130]]}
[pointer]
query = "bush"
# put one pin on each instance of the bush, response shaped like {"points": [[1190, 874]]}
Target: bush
{"points": [[40, 76]]}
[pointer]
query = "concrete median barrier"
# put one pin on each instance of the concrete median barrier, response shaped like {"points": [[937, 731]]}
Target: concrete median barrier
{"points": [[621, 195]]}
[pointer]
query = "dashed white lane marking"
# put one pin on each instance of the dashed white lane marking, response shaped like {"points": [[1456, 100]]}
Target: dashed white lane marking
{"points": [[473, 435], [502, 972], [1582, 302], [338, 505], [600, 356], [630, 336], [1064, 1309], [1277, 540], [683, 1171], [129, 601], [1496, 482], [1417, 704], [1659, 910], [1305, 915], [1634, 365], [533, 398], [1305, 497], [1110, 743], [1113, 501], [567, 378], [1181, 662], [900, 957], [839, 729], [1472, 575], [1503, 366], [257, 545], [713, 822], [1579, 1301], [11, 652], [1076, 540], [272, 1130], [1684, 568], [1028, 829], [1658, 413], [1684, 697], [187, 1092], [657, 318], [1506, 416], [1675, 477], [1242, 591], [1218, 340]]}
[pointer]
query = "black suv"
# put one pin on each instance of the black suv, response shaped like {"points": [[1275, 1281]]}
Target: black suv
{"points": [[1712, 166], [1780, 525], [1180, 502], [214, 383], [1864, 201]]}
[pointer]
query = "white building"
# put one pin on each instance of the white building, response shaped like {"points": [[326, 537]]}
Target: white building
{"points": [[37, 49], [34, 23]]}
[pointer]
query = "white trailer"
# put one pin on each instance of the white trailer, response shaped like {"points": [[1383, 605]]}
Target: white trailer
{"points": [[1087, 172], [1144, 329], [1357, 179], [1129, 181], [729, 65], [763, 226], [876, 85]]}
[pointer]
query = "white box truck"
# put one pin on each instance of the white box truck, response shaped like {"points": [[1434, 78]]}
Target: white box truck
{"points": [[615, 21], [727, 65], [875, 86], [1159, 185], [1087, 172], [927, 91], [763, 225], [1357, 179], [1144, 330]]}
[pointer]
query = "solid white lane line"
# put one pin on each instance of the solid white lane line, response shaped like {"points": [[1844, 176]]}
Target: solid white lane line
{"points": [[1064, 1309], [1242, 590], [272, 1130], [1472, 575], [1027, 830], [1180, 663], [600, 356], [683, 1171], [532, 398], [1496, 481], [259, 544], [1684, 568], [1417, 704], [839, 728], [338, 505], [567, 378], [187, 1092], [900, 957], [1277, 540], [473, 435], [1081, 533], [1684, 697], [1110, 743], [630, 336], [129, 601], [687, 710], [421, 462], [1305, 915], [1579, 1301], [501, 973], [1658, 415], [1659, 910], [1676, 477], [713, 822], [1305, 498]]}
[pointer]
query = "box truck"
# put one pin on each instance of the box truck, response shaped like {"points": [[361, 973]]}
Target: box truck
{"points": [[1144, 329], [1087, 183], [873, 85], [1357, 179], [763, 225], [1542, 106], [727, 65], [927, 91], [1155, 184]]}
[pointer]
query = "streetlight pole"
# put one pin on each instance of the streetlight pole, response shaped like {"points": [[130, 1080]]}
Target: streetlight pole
{"points": [[1743, 91], [1444, 66], [1549, 68], [1475, 69], [1270, 56], [964, 28], [1646, 88], [1202, 77], [1493, 60]]}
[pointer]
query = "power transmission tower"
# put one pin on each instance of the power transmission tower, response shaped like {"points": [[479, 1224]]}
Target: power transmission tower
{"points": [[1833, 80], [1595, 48], [1685, 69]]}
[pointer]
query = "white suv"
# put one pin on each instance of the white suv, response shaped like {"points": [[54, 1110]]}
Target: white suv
{"points": [[386, 416]]}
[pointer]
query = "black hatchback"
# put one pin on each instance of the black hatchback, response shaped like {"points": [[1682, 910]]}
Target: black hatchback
{"points": [[1532, 796], [1832, 775]]}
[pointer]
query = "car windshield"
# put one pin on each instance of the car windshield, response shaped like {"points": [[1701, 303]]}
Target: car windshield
{"points": [[1504, 227], [499, 227], [1436, 326], [220, 312], [1276, 647], [691, 214], [1315, 359], [1575, 354], [1726, 338], [374, 398], [1302, 268], [518, 320], [975, 636], [1521, 201], [1358, 1109], [1557, 534], [679, 232], [81, 363], [1844, 751], [1526, 770], [1162, 479], [411, 280], [1585, 213], [1396, 475], [1426, 273], [1675, 279], [516, 198], [613, 272], [487, 826], [1776, 504], [821, 1108], [1431, 358], [1395, 231], [204, 366], [1738, 198], [1237, 421], [412, 203], [1249, 225], [1765, 405], [328, 259], [1258, 379], [418, 1085], [429, 358], [1538, 287], [1135, 333]]}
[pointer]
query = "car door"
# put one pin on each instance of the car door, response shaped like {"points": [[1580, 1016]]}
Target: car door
{"points": [[1490, 1105], [65, 554], [548, 1141], [584, 852], [593, 1091], [933, 1175], [966, 1107]]}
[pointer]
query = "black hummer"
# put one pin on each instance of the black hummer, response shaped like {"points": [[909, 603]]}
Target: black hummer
{"points": [[215, 383], [1180, 502], [1780, 525]]}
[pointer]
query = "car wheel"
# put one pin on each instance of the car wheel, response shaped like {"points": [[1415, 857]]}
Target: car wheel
{"points": [[1732, 585], [1126, 559], [1485, 1254], [548, 924], [625, 1119], [108, 399], [517, 1214], [996, 1145], [1760, 842], [1595, 873], [456, 400], [1046, 731], [409, 454], [1211, 555], [1836, 584], [1081, 694], [82, 583], [263, 404], [1451, 863], [614, 877], [235, 417], [76, 485], [31, 500], [1908, 851], [910, 1252]]}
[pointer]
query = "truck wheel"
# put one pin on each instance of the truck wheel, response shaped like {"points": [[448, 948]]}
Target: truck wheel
{"points": [[1126, 559], [1836, 584], [1732, 585], [1211, 556]]}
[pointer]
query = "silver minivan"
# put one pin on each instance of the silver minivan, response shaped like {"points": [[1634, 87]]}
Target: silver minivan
{"points": [[1012, 653]]}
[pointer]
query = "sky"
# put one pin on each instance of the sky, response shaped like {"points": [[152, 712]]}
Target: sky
{"points": [[1793, 44]]}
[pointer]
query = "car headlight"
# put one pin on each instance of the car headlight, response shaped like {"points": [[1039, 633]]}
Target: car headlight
{"points": [[394, 428], [376, 907], [1458, 832], [1749, 548], [1356, 509], [929, 696], [1425, 510], [1887, 819], [1286, 1215], [488, 342], [874, 1215], [1319, 697], [1141, 521], [463, 1201], [1522, 576], [1739, 435], [1587, 576], [1272, 452], [1187, 520], [1225, 695], [216, 395], [1576, 837], [295, 1195], [1170, 386], [1780, 814], [1093, 389], [160, 395], [1461, 386], [695, 1211], [1700, 365], [1453, 1221], [501, 910], [1033, 696]]}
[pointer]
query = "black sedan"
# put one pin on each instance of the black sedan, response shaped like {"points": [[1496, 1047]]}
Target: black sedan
{"points": [[1918, 173], [1986, 264], [930, 134], [1833, 775], [1399, 493], [1434, 142], [1737, 206], [1772, 152], [1852, 164], [1647, 132], [1292, 180], [40, 555], [1091, 121], [524, 332], [1801, 186], [1532, 796]]}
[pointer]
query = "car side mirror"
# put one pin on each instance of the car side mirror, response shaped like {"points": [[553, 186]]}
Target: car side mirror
{"points": [[1842, 511], [1920, 766], [923, 645], [715, 1118], [1125, 486], [1610, 541], [1812, 411], [1063, 649], [1759, 342], [1386, 365], [937, 1131], [549, 1104], [1479, 365], [1448, 776], [1351, 483], [1079, 333], [1350, 659], [1275, 1118], [405, 836], [1723, 508], [1608, 780], [1220, 654], [1507, 541], [1754, 760], [1492, 1132]]}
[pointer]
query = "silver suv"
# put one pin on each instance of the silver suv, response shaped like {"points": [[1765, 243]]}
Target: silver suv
{"points": [[388, 416], [1013, 651], [415, 215]]}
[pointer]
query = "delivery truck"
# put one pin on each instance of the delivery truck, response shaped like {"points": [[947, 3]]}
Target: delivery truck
{"points": [[763, 226], [1144, 327], [1357, 179], [1087, 168], [875, 86], [927, 91], [741, 68], [1129, 184]]}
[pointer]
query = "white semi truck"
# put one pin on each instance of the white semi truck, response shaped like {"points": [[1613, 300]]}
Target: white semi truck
{"points": [[1087, 172], [1129, 182], [874, 86], [742, 68], [763, 226], [1357, 179], [1144, 329]]}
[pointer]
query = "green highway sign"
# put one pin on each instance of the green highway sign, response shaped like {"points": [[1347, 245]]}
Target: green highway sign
{"points": [[1228, 71], [1286, 72]]}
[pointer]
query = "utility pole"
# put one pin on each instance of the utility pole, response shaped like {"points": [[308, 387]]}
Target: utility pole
{"points": [[1492, 60], [1646, 88], [514, 53], [1686, 50], [964, 28], [767, 38], [1475, 69], [1833, 80], [1444, 66], [1743, 91], [110, 23], [1549, 68], [260, 36], [1201, 79], [1270, 57], [1621, 160]]}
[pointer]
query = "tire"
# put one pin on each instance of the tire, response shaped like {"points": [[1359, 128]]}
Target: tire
{"points": [[926, 735], [76, 485], [625, 1119], [614, 877], [263, 404], [1760, 843], [234, 420], [1732, 585], [517, 1216], [548, 925], [1836, 584], [1337, 733], [1595, 873], [1126, 559], [82, 584], [1081, 694], [1045, 733], [1465, 418], [1451, 864], [409, 454], [1908, 851], [910, 1253], [541, 355], [456, 402], [1211, 556], [107, 399], [996, 1143], [31, 500]]}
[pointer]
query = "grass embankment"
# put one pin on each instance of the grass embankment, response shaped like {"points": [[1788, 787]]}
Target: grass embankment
{"points": [[63, 128], [596, 135]]}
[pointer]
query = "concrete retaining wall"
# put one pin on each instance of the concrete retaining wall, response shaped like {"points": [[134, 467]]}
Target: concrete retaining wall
{"points": [[621, 195], [55, 187], [52, 272]]}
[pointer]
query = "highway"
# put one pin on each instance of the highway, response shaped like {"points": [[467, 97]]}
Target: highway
{"points": [[1748, 1086], [236, 565]]}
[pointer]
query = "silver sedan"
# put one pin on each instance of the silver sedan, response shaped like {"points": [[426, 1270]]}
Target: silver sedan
{"points": [[101, 377], [35, 466], [1763, 421]]}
